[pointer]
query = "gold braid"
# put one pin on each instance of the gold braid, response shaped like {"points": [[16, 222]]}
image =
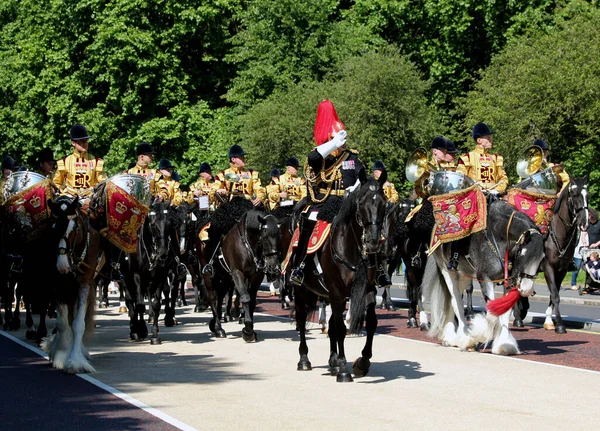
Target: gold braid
{"points": [[328, 177]]}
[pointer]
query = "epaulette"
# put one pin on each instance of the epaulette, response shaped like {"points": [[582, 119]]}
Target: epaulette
{"points": [[353, 151]]}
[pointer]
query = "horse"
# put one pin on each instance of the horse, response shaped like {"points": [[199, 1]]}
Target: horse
{"points": [[510, 240], [288, 220], [570, 215], [77, 256], [405, 241], [146, 272], [346, 267]]}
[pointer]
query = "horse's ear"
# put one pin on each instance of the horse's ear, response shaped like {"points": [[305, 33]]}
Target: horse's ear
{"points": [[261, 220], [383, 177], [362, 176]]}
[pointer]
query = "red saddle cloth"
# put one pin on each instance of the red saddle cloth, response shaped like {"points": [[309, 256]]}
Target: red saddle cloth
{"points": [[125, 216], [457, 215], [539, 207], [29, 209], [317, 239]]}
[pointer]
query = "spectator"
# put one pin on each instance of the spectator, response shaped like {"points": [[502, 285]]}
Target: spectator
{"points": [[593, 229], [577, 258], [593, 265]]}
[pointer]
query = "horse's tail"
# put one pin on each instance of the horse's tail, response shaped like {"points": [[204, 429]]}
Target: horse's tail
{"points": [[437, 297], [358, 300]]}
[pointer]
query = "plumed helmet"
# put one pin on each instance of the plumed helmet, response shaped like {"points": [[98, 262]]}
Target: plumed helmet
{"points": [[143, 148], [480, 130], [78, 132], [235, 151], [204, 167], [165, 164], [45, 155], [9, 163], [541, 143], [292, 161], [275, 172], [327, 122], [450, 147], [438, 142], [378, 165]]}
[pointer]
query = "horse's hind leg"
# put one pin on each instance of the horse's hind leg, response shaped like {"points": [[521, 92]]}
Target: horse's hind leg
{"points": [[300, 302], [241, 286], [155, 305], [76, 361], [470, 311], [520, 311], [361, 366]]}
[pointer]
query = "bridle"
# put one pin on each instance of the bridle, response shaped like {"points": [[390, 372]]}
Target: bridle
{"points": [[74, 262], [569, 226]]}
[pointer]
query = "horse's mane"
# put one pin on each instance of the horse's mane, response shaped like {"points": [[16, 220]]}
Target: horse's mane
{"points": [[252, 223], [563, 195], [228, 214], [348, 208]]}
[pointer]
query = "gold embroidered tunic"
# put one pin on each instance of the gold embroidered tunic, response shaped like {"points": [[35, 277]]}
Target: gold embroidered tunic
{"points": [[294, 186], [78, 173], [485, 168], [238, 182], [168, 188]]}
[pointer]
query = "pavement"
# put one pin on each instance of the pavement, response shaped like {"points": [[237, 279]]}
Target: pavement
{"points": [[542, 294]]}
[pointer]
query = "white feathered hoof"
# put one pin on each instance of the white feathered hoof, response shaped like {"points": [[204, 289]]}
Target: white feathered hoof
{"points": [[77, 365], [549, 326], [506, 349]]}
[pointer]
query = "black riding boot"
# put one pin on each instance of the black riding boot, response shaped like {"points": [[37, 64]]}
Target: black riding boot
{"points": [[306, 228], [453, 263]]}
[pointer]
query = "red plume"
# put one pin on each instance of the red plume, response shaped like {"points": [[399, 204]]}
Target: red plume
{"points": [[327, 123], [499, 306]]}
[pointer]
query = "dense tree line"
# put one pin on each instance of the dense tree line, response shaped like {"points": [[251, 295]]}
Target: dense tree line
{"points": [[193, 77]]}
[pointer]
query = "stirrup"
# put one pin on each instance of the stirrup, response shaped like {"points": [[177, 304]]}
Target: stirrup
{"points": [[416, 261], [297, 276], [383, 280], [208, 270], [453, 263]]}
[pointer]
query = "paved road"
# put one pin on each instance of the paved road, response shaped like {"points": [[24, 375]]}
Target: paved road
{"points": [[194, 381]]}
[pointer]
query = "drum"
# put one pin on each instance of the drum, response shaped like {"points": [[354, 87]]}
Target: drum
{"points": [[543, 182], [19, 181], [445, 182], [135, 185]]}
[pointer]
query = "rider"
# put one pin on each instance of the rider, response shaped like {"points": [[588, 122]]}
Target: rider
{"points": [[273, 187], [482, 166], [449, 163], [559, 170], [45, 162], [237, 180], [145, 156], [388, 188], [203, 185], [331, 171], [290, 187], [8, 167], [78, 173], [167, 184]]}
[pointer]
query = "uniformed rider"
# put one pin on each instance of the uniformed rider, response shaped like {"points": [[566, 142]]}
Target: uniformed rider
{"points": [[291, 188], [45, 162], [202, 186], [145, 156], [563, 177], [388, 188], [481, 166], [167, 184], [237, 180], [78, 173], [331, 170], [272, 188], [8, 167]]}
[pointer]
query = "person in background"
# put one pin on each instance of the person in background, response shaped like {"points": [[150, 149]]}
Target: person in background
{"points": [[577, 258], [388, 188], [46, 163], [167, 187]]}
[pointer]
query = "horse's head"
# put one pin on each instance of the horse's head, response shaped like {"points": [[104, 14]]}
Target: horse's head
{"points": [[183, 215], [371, 205], [578, 201], [269, 241], [67, 225], [526, 258], [159, 225]]}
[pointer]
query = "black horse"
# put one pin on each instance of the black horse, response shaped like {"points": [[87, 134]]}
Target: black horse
{"points": [[348, 263], [77, 256], [147, 269], [482, 257], [570, 216]]}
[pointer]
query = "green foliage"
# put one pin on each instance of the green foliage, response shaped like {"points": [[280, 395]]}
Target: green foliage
{"points": [[545, 85], [380, 98]]}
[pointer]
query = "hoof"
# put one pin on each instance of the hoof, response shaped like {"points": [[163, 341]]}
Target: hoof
{"points": [[180, 303], [360, 367], [273, 294], [249, 338], [122, 309], [104, 304], [211, 325], [344, 377], [134, 337], [220, 333], [235, 313], [334, 371], [425, 326], [411, 323], [155, 341], [518, 323], [197, 309], [169, 322], [549, 326], [560, 330], [304, 366], [184, 303], [285, 306]]}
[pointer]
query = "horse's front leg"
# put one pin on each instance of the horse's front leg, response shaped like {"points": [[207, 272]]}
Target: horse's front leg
{"points": [[552, 280], [460, 336], [361, 366], [76, 361], [215, 323], [241, 286], [300, 304], [337, 335], [155, 300]]}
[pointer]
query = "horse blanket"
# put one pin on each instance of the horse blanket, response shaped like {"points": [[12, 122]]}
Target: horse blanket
{"points": [[538, 206], [317, 239], [29, 210]]}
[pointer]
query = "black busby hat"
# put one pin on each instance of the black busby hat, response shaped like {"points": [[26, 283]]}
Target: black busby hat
{"points": [[275, 172], [204, 167], [480, 130], [438, 142], [165, 164], [143, 148], [175, 176], [378, 165], [450, 147], [235, 151], [78, 132], [45, 155], [541, 143], [9, 163], [292, 161]]}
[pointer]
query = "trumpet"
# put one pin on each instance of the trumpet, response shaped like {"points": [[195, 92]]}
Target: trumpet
{"points": [[531, 162], [416, 166]]}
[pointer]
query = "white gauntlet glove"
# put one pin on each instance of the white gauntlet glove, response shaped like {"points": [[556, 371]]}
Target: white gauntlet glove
{"points": [[338, 140]]}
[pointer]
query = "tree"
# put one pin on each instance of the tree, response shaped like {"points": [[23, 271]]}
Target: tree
{"points": [[545, 85]]}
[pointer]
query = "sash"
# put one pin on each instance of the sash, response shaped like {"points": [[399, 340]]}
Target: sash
{"points": [[538, 206], [125, 216], [457, 215]]}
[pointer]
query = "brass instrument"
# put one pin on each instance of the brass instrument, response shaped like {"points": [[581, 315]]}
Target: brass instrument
{"points": [[530, 162], [416, 166], [536, 173]]}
